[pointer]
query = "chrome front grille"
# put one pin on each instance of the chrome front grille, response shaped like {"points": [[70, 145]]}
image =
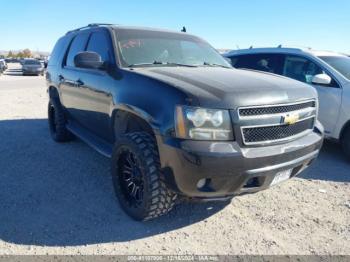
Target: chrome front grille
{"points": [[276, 133], [276, 123], [256, 111]]}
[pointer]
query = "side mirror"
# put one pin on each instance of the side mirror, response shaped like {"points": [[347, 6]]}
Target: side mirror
{"points": [[90, 60], [322, 79]]}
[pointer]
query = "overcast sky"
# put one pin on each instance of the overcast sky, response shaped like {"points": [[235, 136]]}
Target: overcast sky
{"points": [[322, 24]]}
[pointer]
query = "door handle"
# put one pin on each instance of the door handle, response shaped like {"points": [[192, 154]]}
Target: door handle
{"points": [[70, 82], [66, 81], [79, 83]]}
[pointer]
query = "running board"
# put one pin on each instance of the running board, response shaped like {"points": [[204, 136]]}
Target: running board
{"points": [[93, 141]]}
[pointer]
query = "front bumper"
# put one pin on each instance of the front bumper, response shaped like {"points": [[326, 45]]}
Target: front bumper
{"points": [[230, 169], [32, 71]]}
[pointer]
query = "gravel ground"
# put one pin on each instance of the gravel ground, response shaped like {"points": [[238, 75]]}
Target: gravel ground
{"points": [[58, 199]]}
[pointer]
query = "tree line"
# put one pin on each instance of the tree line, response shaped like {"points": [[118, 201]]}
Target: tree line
{"points": [[25, 53]]}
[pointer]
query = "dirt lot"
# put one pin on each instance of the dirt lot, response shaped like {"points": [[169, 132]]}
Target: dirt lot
{"points": [[58, 199]]}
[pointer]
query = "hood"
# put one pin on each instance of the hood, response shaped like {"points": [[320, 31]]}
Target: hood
{"points": [[230, 88]]}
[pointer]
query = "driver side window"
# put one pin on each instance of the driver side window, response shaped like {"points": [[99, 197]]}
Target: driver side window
{"points": [[301, 69], [99, 44], [78, 45]]}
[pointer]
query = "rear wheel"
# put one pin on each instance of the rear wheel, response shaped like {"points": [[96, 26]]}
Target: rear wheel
{"points": [[346, 142], [57, 122], [137, 177]]}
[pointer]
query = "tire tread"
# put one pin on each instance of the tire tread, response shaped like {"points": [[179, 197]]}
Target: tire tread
{"points": [[345, 142], [160, 200], [61, 134]]}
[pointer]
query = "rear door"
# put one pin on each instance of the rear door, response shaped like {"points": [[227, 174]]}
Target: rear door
{"points": [[303, 69]]}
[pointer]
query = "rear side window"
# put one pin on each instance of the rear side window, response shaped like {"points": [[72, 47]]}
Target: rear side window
{"points": [[271, 63], [78, 45], [99, 43], [58, 51]]}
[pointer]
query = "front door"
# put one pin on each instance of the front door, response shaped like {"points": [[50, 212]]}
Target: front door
{"points": [[86, 93], [303, 69], [97, 85], [69, 84]]}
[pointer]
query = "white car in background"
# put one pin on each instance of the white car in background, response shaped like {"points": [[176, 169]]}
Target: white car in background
{"points": [[328, 72]]}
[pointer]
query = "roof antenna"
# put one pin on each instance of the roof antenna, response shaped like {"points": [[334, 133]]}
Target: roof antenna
{"points": [[183, 29]]}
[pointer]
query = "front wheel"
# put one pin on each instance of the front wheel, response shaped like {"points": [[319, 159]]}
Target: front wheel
{"points": [[137, 178]]}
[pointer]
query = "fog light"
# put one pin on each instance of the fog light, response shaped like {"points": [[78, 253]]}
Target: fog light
{"points": [[201, 183]]}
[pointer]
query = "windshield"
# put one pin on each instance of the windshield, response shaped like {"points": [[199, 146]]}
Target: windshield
{"points": [[31, 62], [154, 48], [340, 63]]}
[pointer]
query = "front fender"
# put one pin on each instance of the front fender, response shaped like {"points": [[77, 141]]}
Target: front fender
{"points": [[138, 112], [152, 100]]}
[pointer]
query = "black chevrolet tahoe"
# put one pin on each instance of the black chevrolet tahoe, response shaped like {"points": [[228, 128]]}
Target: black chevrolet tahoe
{"points": [[176, 120]]}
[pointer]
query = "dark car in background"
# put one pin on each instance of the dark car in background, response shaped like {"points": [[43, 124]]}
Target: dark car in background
{"points": [[12, 60], [32, 67], [3, 65]]}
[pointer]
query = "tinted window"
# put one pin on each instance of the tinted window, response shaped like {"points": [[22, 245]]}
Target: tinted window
{"points": [[78, 45], [99, 43], [58, 51], [300, 68], [340, 63], [262, 62], [234, 60]]}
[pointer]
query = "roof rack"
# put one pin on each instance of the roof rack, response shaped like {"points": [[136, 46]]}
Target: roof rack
{"points": [[281, 46], [295, 47], [300, 48], [88, 26]]}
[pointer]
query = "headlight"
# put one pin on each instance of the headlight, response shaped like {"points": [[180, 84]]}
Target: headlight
{"points": [[203, 124]]}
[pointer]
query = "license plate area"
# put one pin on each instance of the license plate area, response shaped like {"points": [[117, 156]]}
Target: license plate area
{"points": [[281, 177]]}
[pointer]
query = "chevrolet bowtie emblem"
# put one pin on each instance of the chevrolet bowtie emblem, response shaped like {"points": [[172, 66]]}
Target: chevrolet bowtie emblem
{"points": [[290, 119]]}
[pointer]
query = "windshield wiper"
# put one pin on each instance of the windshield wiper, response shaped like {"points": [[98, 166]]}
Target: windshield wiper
{"points": [[146, 64], [161, 63], [179, 64], [216, 65]]}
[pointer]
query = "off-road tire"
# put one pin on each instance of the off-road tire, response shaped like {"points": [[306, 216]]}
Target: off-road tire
{"points": [[57, 122], [345, 142], [157, 198]]}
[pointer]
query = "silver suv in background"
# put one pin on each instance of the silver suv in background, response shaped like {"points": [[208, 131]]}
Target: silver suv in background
{"points": [[32, 67], [328, 72]]}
